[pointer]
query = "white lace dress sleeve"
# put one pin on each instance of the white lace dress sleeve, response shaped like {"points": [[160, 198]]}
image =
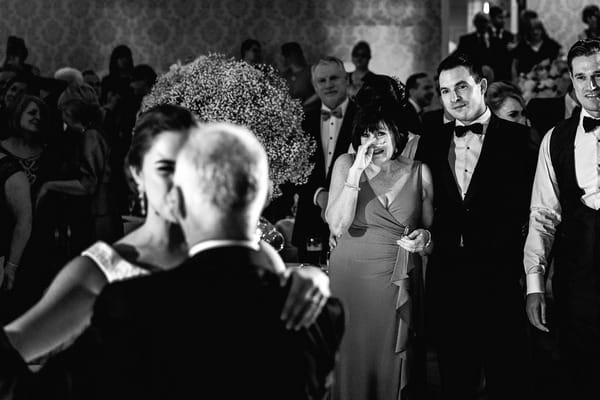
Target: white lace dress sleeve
{"points": [[114, 267]]}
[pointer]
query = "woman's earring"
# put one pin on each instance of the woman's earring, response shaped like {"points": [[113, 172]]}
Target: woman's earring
{"points": [[142, 197]]}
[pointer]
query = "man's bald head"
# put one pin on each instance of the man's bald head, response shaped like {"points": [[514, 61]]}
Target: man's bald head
{"points": [[224, 167]]}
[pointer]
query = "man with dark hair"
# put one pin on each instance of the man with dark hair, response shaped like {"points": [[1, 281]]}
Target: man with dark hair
{"points": [[473, 292], [565, 220], [477, 44], [420, 93]]}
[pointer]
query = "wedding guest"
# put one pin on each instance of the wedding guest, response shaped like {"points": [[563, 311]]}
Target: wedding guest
{"points": [[131, 349], [16, 54], [158, 244], [506, 102], [251, 51], [361, 55], [501, 43], [535, 45], [331, 128], [120, 70], [99, 219], [379, 204], [591, 17], [563, 220], [473, 273], [545, 113], [16, 216], [91, 78], [297, 74], [420, 95], [478, 44]]}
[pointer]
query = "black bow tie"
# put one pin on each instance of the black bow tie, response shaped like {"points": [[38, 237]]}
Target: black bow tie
{"points": [[589, 124], [460, 131], [325, 115]]}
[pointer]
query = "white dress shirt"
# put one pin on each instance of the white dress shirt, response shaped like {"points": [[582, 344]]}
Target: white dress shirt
{"points": [[212, 244], [464, 152], [330, 131], [545, 210]]}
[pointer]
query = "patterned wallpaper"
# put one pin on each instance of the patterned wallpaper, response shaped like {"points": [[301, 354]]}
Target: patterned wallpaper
{"points": [[404, 34], [561, 18]]}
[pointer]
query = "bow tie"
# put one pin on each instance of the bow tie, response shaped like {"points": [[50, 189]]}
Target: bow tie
{"points": [[325, 115], [590, 124], [460, 131]]}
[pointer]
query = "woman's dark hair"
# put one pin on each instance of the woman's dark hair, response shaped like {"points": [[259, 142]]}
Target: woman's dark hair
{"points": [[153, 122], [247, 44], [18, 108], [589, 11], [88, 114], [121, 51], [362, 46], [293, 52], [380, 102]]}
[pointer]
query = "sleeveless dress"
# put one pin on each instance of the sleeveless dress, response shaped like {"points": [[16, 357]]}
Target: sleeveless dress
{"points": [[380, 285]]}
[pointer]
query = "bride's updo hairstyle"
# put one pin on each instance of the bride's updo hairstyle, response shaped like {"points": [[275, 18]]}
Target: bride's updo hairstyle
{"points": [[380, 102], [153, 122]]}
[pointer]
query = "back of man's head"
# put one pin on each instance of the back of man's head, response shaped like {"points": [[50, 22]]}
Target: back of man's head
{"points": [[223, 171]]}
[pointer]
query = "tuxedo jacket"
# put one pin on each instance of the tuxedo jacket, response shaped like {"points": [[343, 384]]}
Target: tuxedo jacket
{"points": [[475, 47], [485, 229], [209, 328], [308, 217]]}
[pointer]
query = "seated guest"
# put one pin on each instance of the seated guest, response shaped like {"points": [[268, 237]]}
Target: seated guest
{"points": [[420, 94], [251, 51], [591, 17], [535, 44], [140, 345]]}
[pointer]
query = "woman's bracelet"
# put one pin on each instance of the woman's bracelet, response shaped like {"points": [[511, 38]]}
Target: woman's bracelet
{"points": [[351, 186]]}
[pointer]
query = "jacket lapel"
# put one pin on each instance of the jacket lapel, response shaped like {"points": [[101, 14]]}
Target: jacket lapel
{"points": [[486, 158], [448, 177]]}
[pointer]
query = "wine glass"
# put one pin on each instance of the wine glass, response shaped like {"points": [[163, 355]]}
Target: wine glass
{"points": [[268, 233]]}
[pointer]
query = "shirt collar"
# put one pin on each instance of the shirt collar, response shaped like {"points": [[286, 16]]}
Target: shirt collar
{"points": [[415, 105], [342, 106], [483, 119], [213, 244]]}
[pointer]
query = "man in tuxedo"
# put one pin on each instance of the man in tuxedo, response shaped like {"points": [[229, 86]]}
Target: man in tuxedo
{"points": [[501, 43], [479, 167], [565, 221], [478, 44], [331, 128], [420, 94], [209, 328]]}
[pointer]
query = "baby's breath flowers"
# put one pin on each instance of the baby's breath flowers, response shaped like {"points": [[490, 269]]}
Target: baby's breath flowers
{"points": [[216, 88]]}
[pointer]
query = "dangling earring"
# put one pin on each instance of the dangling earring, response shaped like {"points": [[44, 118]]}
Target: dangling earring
{"points": [[142, 197]]}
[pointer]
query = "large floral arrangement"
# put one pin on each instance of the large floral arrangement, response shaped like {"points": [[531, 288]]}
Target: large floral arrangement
{"points": [[216, 88]]}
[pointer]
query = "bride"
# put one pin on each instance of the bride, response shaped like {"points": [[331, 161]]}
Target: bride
{"points": [[66, 308]]}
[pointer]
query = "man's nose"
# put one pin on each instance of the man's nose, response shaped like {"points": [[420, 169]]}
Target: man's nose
{"points": [[593, 83], [454, 97]]}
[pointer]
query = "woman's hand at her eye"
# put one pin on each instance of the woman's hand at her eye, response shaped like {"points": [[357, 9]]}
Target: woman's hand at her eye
{"points": [[364, 155], [308, 295]]}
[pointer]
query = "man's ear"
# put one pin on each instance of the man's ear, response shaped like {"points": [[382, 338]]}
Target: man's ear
{"points": [[177, 207], [484, 85]]}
